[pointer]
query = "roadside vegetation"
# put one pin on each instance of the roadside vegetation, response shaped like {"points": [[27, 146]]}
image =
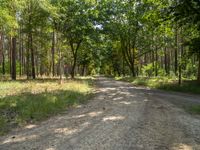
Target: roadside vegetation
{"points": [[164, 83], [168, 84], [23, 102]]}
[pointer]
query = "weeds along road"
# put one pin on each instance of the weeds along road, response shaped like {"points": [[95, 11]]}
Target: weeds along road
{"points": [[119, 117]]}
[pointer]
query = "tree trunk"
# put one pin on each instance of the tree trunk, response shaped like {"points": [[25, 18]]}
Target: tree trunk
{"points": [[60, 65], [123, 67], [153, 61], [32, 56], [20, 52], [83, 70], [10, 55], [2, 60], [28, 59], [156, 63], [13, 75], [165, 60], [133, 69], [74, 52], [53, 54], [73, 68], [176, 52], [180, 59], [198, 76], [3, 64]]}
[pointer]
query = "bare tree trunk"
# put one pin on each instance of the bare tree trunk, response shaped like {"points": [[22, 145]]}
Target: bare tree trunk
{"points": [[156, 63], [2, 60], [10, 55], [28, 59], [176, 52], [20, 52], [180, 60], [13, 75], [53, 53], [32, 56], [60, 65], [166, 66], [198, 76]]}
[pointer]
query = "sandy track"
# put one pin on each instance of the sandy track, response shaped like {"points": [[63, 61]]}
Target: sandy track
{"points": [[120, 117]]}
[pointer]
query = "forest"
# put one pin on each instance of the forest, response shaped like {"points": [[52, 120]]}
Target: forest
{"points": [[100, 74], [110, 37]]}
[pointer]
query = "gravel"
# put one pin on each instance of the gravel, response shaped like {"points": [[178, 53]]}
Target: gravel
{"points": [[119, 117]]}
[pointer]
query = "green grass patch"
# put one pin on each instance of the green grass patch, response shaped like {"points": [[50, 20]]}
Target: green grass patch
{"points": [[195, 109], [22, 102], [164, 83]]}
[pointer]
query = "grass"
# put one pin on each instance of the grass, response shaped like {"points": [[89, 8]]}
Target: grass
{"points": [[195, 109], [22, 102], [164, 83], [169, 84]]}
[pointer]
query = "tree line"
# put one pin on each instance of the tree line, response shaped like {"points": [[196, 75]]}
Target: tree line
{"points": [[112, 37]]}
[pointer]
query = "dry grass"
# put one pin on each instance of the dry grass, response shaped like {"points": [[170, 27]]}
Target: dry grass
{"points": [[24, 101]]}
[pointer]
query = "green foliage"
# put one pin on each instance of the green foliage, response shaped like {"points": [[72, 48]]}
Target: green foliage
{"points": [[148, 70]]}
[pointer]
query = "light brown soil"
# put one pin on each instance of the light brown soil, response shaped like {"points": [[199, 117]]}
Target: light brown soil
{"points": [[119, 117]]}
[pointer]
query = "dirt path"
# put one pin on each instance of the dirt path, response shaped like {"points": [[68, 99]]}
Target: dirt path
{"points": [[120, 117]]}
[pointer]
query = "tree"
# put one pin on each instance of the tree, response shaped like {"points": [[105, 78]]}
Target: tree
{"points": [[76, 25]]}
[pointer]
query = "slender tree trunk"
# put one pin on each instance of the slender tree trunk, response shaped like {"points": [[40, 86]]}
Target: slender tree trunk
{"points": [[180, 74], [180, 60], [1, 50], [153, 61], [133, 70], [176, 52], [123, 67], [60, 65], [10, 55], [198, 76], [73, 67], [28, 59], [169, 62], [20, 54], [3, 55], [32, 56], [83, 70], [165, 60], [156, 63], [13, 75], [3, 64], [53, 54]]}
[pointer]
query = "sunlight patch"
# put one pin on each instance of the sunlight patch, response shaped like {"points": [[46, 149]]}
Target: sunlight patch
{"points": [[124, 102], [182, 147], [113, 118], [65, 131], [19, 139], [78, 116], [118, 98], [95, 114], [50, 149], [30, 126]]}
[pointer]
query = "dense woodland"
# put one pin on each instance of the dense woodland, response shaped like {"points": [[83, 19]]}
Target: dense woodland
{"points": [[88, 37]]}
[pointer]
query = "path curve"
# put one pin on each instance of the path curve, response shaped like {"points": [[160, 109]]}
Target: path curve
{"points": [[119, 117]]}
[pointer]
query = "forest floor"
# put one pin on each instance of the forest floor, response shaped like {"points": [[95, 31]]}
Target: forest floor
{"points": [[120, 117]]}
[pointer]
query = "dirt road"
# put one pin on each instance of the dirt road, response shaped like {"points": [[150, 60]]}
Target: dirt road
{"points": [[119, 117]]}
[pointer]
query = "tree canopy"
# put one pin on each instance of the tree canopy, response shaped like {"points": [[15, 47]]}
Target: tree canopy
{"points": [[112, 37]]}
